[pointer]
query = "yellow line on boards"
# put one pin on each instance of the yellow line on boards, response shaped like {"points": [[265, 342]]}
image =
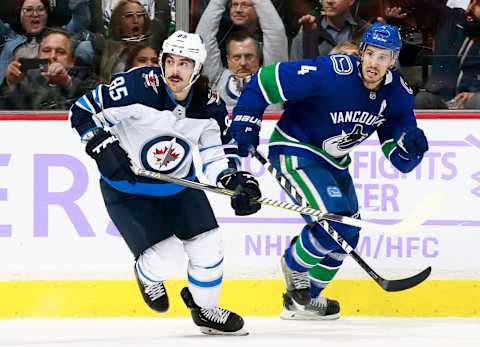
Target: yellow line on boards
{"points": [[253, 297]]}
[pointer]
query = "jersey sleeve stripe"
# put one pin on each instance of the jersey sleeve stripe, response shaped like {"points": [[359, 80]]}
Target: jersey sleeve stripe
{"points": [[279, 85], [84, 104], [205, 148], [267, 80], [97, 96]]}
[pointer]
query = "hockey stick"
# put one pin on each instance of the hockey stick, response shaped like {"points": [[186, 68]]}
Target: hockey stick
{"points": [[412, 222], [264, 201], [388, 285]]}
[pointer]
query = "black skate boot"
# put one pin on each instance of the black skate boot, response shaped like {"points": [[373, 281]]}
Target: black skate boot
{"points": [[298, 283], [214, 321], [319, 308], [155, 294]]}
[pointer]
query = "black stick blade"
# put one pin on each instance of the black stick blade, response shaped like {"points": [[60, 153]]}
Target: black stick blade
{"points": [[406, 283]]}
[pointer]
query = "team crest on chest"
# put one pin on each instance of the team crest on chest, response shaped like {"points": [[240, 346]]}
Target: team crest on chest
{"points": [[340, 145], [164, 154]]}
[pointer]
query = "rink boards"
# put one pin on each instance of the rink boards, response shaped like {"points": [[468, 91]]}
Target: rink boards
{"points": [[62, 256]]}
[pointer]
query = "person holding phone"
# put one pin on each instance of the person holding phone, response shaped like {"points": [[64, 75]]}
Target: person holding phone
{"points": [[49, 81], [24, 42]]}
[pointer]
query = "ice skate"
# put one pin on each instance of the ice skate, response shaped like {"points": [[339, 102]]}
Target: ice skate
{"points": [[319, 308], [298, 283], [155, 294], [214, 321]]}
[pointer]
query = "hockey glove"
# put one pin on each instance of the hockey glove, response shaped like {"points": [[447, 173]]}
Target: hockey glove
{"points": [[412, 141], [245, 129], [246, 191], [112, 161]]}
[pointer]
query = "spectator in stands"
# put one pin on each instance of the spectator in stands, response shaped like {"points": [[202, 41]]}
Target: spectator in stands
{"points": [[244, 54], [142, 55], [157, 10], [454, 81], [59, 12], [33, 16], [56, 87], [321, 34], [347, 48], [258, 17], [130, 25], [244, 57]]}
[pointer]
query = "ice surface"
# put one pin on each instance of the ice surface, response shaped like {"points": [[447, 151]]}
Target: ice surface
{"points": [[264, 332]]}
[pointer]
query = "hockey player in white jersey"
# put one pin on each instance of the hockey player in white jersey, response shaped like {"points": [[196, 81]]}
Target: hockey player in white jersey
{"points": [[154, 118]]}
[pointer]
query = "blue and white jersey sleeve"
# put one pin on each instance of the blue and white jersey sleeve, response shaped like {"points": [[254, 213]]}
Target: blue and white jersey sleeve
{"points": [[218, 151], [86, 113]]}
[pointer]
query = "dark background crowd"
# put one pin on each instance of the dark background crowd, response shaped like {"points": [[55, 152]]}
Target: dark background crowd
{"points": [[53, 51]]}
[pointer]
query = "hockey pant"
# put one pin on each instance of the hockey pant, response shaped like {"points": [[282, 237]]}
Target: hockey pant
{"points": [[330, 190], [205, 265]]}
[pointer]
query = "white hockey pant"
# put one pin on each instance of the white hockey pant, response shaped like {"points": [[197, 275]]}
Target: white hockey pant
{"points": [[205, 265]]}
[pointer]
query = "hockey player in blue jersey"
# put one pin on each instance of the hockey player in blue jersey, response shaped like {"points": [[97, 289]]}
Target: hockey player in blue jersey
{"points": [[332, 104], [155, 118]]}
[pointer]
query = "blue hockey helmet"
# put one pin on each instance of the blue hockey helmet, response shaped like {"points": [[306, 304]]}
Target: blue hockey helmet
{"points": [[383, 36]]}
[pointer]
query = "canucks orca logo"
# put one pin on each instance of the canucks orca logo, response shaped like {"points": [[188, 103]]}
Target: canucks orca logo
{"points": [[164, 154], [340, 145]]}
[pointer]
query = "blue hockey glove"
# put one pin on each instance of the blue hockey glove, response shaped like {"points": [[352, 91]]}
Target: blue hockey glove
{"points": [[412, 141], [245, 129], [112, 161], [246, 191]]}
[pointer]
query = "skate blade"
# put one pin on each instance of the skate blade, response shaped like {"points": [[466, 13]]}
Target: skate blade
{"points": [[304, 315], [210, 331]]}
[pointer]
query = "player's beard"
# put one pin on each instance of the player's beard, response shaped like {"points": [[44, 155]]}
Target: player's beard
{"points": [[371, 80]]}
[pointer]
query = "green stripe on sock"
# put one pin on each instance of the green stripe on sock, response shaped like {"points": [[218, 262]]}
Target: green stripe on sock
{"points": [[303, 254], [306, 192], [322, 273], [269, 85]]}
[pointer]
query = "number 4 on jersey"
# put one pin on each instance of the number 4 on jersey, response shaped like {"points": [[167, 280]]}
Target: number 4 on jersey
{"points": [[304, 69]]}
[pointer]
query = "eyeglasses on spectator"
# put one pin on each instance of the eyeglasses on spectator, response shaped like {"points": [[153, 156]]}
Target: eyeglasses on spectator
{"points": [[131, 15], [29, 11], [241, 5]]}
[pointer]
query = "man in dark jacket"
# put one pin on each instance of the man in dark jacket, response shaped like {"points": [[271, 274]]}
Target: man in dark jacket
{"points": [[335, 26], [53, 86], [455, 78]]}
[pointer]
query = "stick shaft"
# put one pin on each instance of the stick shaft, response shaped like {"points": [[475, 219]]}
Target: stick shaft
{"points": [[388, 285]]}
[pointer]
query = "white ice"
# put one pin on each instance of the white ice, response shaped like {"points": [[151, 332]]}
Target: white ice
{"points": [[264, 332]]}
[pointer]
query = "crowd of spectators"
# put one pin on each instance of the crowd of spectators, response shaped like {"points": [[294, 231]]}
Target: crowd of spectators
{"points": [[52, 51]]}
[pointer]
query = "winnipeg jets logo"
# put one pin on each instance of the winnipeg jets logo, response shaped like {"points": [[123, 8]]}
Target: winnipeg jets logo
{"points": [[340, 145], [165, 154], [152, 81]]}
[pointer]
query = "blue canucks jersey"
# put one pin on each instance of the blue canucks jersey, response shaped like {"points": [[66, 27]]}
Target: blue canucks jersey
{"points": [[328, 110], [159, 133]]}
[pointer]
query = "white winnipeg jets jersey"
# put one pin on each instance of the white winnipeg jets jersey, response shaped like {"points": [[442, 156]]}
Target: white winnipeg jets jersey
{"points": [[157, 132]]}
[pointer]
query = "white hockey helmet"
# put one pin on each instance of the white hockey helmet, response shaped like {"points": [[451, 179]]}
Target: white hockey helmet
{"points": [[186, 45]]}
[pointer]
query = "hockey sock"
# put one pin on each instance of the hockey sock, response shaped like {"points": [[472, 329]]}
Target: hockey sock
{"points": [[305, 253], [322, 274]]}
